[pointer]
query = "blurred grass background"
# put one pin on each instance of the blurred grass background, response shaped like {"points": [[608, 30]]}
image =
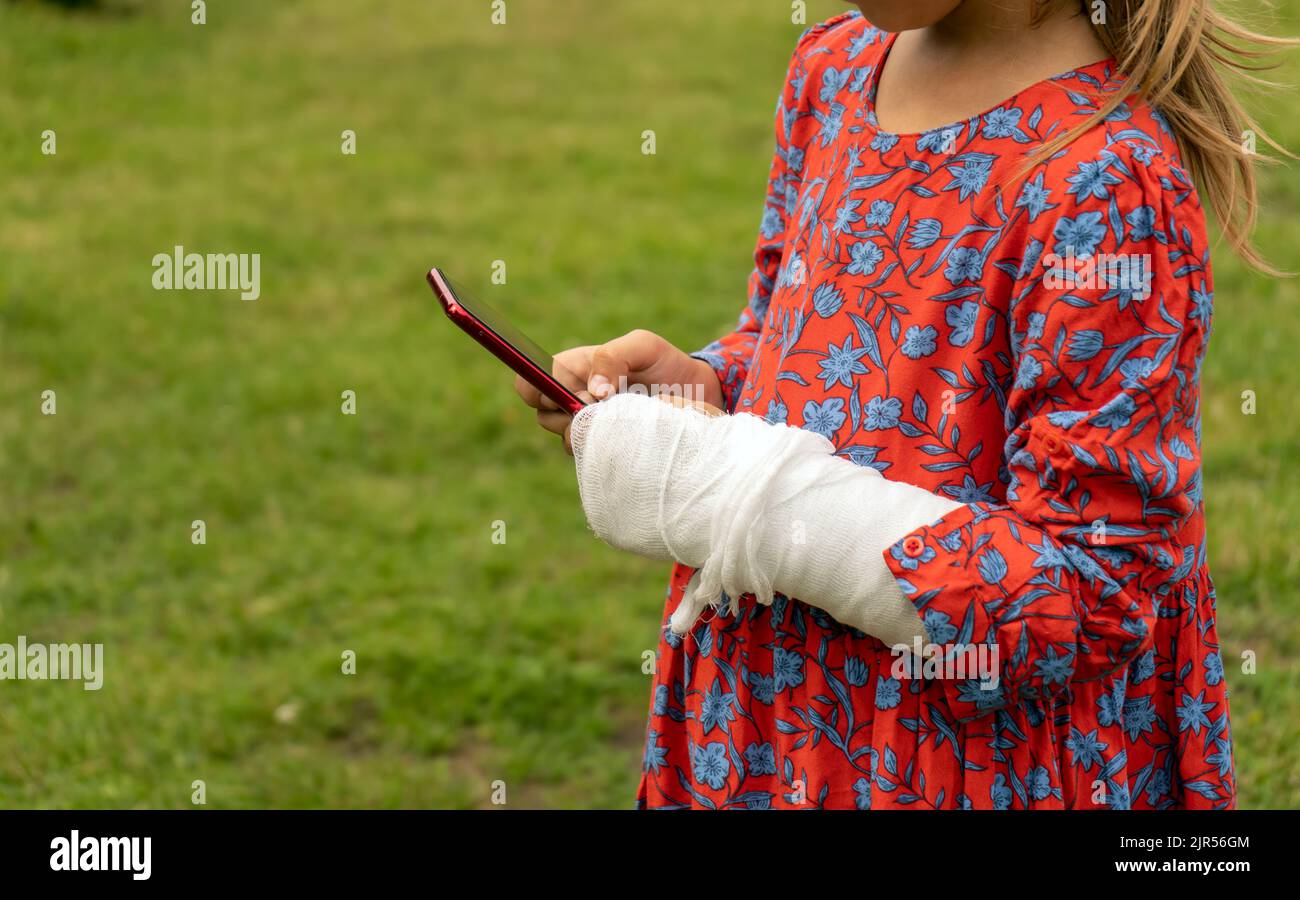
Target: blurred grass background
{"points": [[372, 533]]}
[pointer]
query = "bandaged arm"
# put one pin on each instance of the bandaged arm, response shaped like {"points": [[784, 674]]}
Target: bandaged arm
{"points": [[757, 508]]}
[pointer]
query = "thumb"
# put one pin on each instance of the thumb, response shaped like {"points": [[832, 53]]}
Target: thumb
{"points": [[619, 361]]}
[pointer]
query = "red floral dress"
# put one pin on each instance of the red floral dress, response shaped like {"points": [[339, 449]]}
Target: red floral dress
{"points": [[1029, 345]]}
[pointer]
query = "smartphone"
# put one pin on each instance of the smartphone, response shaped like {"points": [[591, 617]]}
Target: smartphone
{"points": [[503, 340]]}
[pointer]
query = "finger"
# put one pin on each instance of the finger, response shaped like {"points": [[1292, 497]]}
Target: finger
{"points": [[529, 394], [568, 438], [533, 397], [548, 404], [554, 421], [568, 368], [572, 367], [707, 408], [613, 362]]}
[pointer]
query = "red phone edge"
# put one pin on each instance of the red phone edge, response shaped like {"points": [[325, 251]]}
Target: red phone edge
{"points": [[501, 348]]}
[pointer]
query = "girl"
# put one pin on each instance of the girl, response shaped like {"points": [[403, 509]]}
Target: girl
{"points": [[983, 274]]}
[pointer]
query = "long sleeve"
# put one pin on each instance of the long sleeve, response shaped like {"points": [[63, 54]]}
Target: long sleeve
{"points": [[731, 355], [1109, 318]]}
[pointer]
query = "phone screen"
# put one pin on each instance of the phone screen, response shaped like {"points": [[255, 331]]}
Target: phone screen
{"points": [[499, 324]]}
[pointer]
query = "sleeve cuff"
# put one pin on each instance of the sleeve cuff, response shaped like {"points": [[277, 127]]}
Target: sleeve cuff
{"points": [[731, 370], [987, 616]]}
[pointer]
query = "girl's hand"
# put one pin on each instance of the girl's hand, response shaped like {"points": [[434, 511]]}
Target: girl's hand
{"points": [[597, 371]]}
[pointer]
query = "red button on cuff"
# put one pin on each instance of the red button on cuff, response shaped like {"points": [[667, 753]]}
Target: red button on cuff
{"points": [[913, 546]]}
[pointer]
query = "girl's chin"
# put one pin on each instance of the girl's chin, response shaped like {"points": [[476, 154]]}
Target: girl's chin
{"points": [[904, 15]]}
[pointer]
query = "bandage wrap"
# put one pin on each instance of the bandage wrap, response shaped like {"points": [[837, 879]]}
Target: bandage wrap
{"points": [[756, 508]]}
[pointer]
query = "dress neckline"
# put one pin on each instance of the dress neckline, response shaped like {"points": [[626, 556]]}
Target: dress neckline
{"points": [[1099, 72]]}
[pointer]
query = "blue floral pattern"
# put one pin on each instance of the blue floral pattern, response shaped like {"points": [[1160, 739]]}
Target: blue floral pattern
{"points": [[1024, 337]]}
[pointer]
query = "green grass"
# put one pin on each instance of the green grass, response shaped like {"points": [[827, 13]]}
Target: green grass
{"points": [[476, 661]]}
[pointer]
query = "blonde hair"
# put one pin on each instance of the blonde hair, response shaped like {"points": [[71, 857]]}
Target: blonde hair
{"points": [[1182, 57]]}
